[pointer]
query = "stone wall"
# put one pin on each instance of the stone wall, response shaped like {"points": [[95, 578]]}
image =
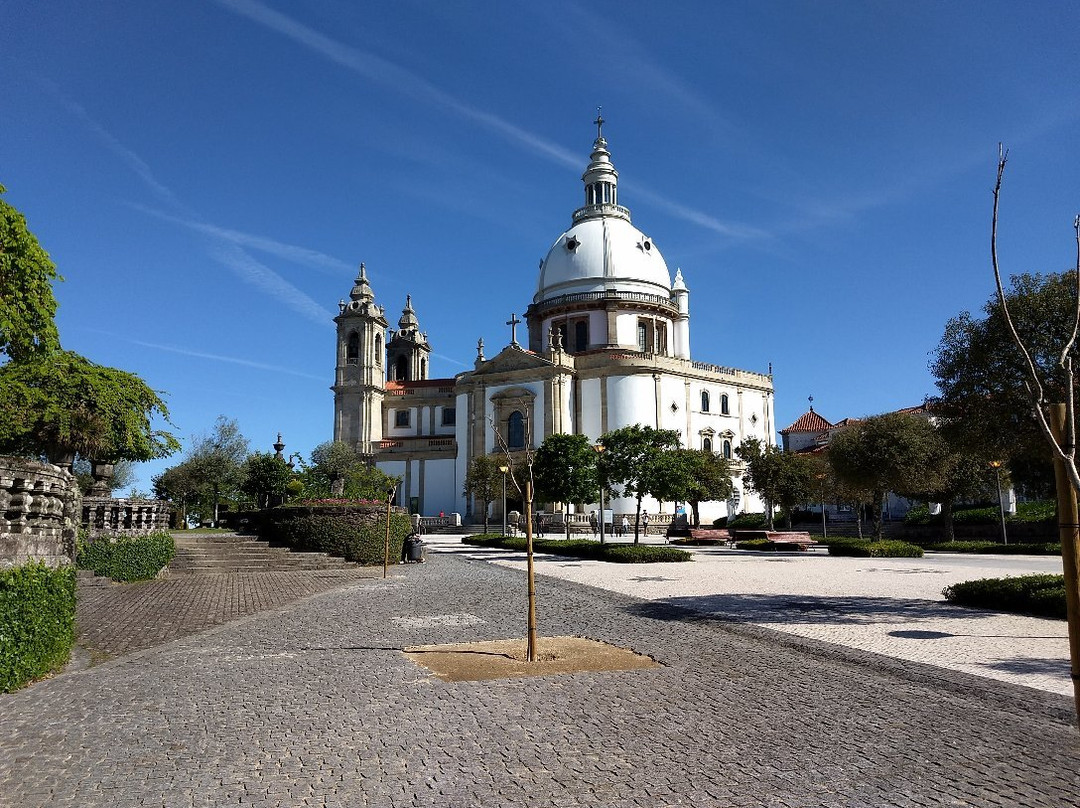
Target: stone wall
{"points": [[39, 510], [115, 518]]}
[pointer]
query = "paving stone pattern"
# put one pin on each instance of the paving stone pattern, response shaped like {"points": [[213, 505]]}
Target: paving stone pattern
{"points": [[314, 704]]}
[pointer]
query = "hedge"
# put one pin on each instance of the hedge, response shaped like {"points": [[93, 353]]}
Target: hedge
{"points": [[583, 548], [1040, 595], [1026, 513], [875, 549], [767, 544], [37, 622], [996, 547], [136, 558], [355, 533], [747, 521]]}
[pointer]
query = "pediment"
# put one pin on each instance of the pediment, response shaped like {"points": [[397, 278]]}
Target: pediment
{"points": [[513, 358]]}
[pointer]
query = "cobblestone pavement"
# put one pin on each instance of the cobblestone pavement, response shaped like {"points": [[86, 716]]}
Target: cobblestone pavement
{"points": [[114, 619], [314, 704], [887, 606]]}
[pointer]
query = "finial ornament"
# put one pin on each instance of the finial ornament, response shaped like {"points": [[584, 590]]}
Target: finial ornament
{"points": [[599, 124], [811, 398], [480, 349]]}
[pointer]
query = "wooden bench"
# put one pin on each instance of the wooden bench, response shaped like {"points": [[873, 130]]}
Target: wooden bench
{"points": [[797, 539]]}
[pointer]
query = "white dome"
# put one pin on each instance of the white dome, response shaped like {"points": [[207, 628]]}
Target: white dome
{"points": [[603, 252]]}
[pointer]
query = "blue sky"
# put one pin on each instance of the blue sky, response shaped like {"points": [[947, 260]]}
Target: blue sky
{"points": [[208, 175]]}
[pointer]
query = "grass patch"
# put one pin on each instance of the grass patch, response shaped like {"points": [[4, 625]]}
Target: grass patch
{"points": [[1039, 595], [583, 548]]}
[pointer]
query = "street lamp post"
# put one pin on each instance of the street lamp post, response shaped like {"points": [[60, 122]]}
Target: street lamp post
{"points": [[386, 544], [996, 466], [599, 447], [824, 530], [504, 469]]}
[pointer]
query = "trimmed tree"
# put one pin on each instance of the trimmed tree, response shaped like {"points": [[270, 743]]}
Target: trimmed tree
{"points": [[265, 476], [635, 458], [708, 479], [565, 471], [781, 478], [483, 482]]}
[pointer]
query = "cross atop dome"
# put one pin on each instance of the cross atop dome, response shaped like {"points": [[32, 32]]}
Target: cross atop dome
{"points": [[599, 125]]}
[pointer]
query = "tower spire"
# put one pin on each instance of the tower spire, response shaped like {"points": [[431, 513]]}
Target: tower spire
{"points": [[599, 125]]}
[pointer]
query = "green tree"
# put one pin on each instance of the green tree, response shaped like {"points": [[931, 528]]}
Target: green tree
{"points": [[708, 479], [338, 470], [896, 452], [216, 463], [982, 375], [639, 459], [782, 479], [62, 404], [483, 482], [565, 471], [27, 304], [178, 485], [265, 477]]}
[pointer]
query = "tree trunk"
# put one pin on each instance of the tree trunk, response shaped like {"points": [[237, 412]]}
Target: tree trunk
{"points": [[947, 527], [858, 519], [879, 503], [697, 516], [637, 518], [769, 515], [486, 504]]}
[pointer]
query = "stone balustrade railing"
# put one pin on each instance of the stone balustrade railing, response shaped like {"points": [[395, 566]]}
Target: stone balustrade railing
{"points": [[39, 513], [104, 516]]}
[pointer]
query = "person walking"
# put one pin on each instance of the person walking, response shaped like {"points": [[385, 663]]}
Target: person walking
{"points": [[592, 522], [645, 523], [624, 526]]}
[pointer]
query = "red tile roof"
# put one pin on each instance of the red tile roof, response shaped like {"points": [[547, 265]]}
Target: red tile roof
{"points": [[808, 422]]}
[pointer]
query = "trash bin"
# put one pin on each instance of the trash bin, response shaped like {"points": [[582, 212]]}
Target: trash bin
{"points": [[414, 548]]}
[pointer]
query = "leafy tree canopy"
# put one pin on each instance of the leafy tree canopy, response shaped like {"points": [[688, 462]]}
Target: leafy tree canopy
{"points": [[781, 478], [62, 404], [564, 469], [27, 305], [707, 479], [265, 476], [640, 459], [981, 375], [336, 470], [483, 482]]}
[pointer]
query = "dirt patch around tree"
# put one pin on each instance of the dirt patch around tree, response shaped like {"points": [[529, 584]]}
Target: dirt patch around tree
{"points": [[506, 659]]}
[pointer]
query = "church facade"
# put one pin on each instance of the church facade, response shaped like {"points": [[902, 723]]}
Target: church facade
{"points": [[606, 345]]}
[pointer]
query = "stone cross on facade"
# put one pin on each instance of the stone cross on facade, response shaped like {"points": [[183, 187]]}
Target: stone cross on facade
{"points": [[513, 323]]}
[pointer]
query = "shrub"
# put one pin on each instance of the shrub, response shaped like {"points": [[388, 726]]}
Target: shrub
{"points": [[767, 544], [354, 533], [1026, 513], [583, 548], [875, 549], [37, 622], [721, 522], [1040, 595], [136, 558], [749, 521], [996, 548]]}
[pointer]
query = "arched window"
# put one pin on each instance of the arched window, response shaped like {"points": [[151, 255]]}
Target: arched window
{"points": [[724, 410], [423, 369], [378, 349], [402, 369], [706, 445], [704, 400], [642, 337], [515, 431], [581, 336], [352, 348], [727, 449]]}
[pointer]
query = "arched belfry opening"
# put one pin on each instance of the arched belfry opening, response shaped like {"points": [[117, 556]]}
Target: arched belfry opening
{"points": [[407, 350]]}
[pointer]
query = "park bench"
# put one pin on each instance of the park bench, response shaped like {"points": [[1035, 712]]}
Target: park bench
{"points": [[797, 539]]}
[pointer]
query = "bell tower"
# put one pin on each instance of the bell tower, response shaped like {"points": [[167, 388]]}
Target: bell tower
{"points": [[361, 357], [408, 350]]}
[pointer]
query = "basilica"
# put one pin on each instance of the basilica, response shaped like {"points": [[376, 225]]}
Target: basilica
{"points": [[606, 344]]}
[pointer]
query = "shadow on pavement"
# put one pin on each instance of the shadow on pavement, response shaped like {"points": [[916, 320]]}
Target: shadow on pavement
{"points": [[808, 609]]}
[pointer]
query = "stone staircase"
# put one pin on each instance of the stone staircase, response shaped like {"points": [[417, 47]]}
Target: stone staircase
{"points": [[226, 552]]}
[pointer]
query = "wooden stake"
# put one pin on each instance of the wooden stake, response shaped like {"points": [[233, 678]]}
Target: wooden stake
{"points": [[530, 650], [1069, 532]]}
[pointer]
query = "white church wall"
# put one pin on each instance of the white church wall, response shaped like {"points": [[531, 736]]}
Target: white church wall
{"points": [[591, 421], [441, 485], [631, 400], [535, 425]]}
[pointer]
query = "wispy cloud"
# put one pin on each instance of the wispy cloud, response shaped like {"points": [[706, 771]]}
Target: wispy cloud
{"points": [[232, 360], [288, 252], [403, 81], [388, 74], [224, 246]]}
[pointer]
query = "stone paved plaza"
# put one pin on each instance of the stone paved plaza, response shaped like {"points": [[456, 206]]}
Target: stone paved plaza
{"points": [[311, 702]]}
